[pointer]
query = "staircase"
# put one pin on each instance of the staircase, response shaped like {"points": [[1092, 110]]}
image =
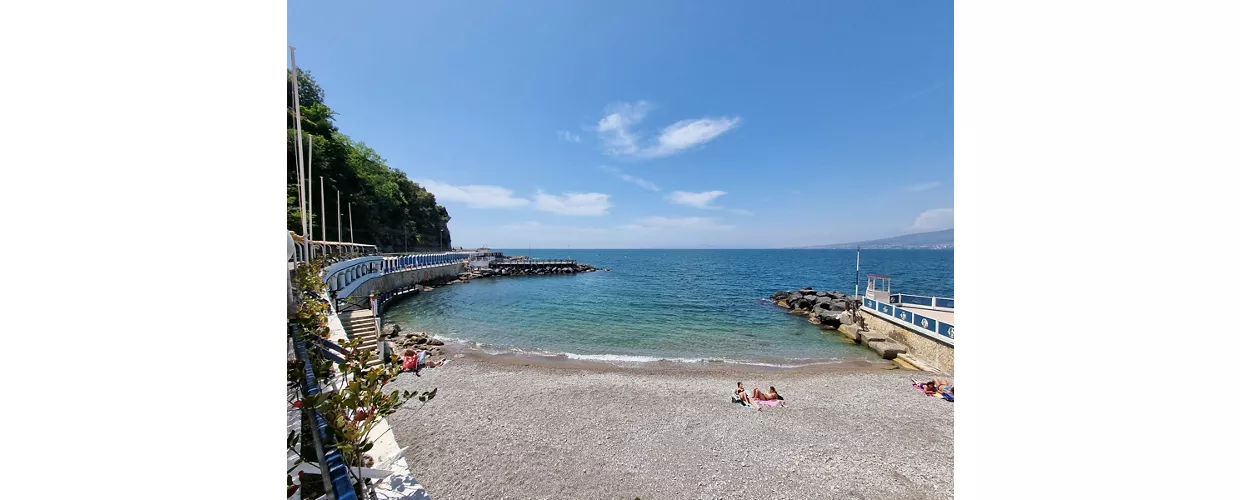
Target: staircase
{"points": [[361, 324]]}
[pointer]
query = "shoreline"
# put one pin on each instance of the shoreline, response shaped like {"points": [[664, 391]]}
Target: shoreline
{"points": [[470, 351]]}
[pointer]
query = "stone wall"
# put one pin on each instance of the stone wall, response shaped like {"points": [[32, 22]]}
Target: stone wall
{"points": [[936, 354]]}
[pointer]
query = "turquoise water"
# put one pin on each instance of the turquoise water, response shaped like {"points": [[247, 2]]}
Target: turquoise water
{"points": [[667, 304]]}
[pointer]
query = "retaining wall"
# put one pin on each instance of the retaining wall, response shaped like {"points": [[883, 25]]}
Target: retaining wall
{"points": [[938, 355], [392, 281]]}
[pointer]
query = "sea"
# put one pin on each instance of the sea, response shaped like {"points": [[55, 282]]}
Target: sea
{"points": [[675, 305]]}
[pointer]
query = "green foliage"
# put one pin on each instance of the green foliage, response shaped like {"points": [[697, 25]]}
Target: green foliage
{"points": [[356, 405], [389, 210]]}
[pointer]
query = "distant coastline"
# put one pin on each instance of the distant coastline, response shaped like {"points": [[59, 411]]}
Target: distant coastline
{"points": [[934, 240]]}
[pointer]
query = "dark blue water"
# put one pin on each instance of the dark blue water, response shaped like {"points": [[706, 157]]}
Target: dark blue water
{"points": [[668, 304]]}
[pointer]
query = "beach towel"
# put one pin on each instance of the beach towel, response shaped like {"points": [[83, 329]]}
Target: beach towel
{"points": [[771, 402]]}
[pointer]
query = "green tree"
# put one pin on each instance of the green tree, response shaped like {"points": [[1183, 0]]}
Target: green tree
{"points": [[389, 210]]}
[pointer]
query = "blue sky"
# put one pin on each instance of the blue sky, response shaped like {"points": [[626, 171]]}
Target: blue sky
{"points": [[650, 124]]}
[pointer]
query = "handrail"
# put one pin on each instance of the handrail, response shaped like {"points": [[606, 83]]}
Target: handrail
{"points": [[923, 300], [336, 482]]}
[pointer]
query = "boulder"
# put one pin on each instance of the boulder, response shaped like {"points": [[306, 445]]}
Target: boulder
{"points": [[793, 297], [434, 342], [812, 299], [822, 294], [839, 305], [809, 290], [836, 295], [846, 318], [888, 349], [802, 303], [870, 337], [778, 296], [829, 319], [849, 331]]}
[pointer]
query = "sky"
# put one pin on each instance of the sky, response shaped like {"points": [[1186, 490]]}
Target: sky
{"points": [[650, 124]]}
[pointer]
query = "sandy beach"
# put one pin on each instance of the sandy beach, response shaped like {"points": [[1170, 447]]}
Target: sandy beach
{"points": [[510, 428]]}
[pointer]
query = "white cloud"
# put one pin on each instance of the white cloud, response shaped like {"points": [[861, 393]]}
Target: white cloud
{"points": [[615, 129], [569, 136], [935, 220], [924, 186], [573, 203], [645, 184], [686, 134], [699, 200], [658, 223], [474, 196]]}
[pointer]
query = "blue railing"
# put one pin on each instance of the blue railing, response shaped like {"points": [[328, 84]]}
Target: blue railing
{"points": [[910, 317], [336, 479]]}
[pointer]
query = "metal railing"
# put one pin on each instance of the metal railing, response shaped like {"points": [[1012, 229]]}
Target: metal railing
{"points": [[344, 304], [336, 481], [922, 300]]}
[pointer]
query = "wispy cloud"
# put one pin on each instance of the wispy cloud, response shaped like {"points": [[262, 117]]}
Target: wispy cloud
{"points": [[474, 196], [614, 131], [923, 186], [935, 220], [590, 204], [569, 136], [619, 138], [645, 184], [698, 200], [659, 223]]}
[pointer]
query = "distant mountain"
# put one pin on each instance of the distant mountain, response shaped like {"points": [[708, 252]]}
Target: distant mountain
{"points": [[937, 240]]}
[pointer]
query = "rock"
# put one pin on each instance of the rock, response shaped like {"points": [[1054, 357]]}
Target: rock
{"points": [[813, 299], [434, 342], [823, 294], [802, 303], [783, 304], [849, 331], [793, 297], [870, 337], [846, 318], [779, 296], [813, 320], [836, 295], [839, 305], [829, 319], [888, 349]]}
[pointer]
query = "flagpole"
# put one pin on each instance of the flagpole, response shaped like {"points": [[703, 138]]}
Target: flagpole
{"points": [[350, 222], [857, 278], [322, 211], [339, 226], [301, 185], [310, 193]]}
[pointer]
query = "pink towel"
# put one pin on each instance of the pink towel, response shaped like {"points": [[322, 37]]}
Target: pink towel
{"points": [[772, 402]]}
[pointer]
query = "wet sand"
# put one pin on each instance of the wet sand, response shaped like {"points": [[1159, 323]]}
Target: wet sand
{"points": [[512, 426]]}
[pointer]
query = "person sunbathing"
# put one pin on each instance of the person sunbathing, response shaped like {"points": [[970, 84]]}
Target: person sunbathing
{"points": [[740, 396], [936, 387], [773, 395], [416, 361]]}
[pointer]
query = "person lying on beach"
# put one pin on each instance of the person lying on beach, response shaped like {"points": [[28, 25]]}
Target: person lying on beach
{"points": [[741, 397], [416, 361], [768, 396], [937, 387]]}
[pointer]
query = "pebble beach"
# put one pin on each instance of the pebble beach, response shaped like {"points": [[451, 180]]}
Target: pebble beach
{"points": [[512, 428]]}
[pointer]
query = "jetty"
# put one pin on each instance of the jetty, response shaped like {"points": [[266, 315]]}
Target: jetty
{"points": [[914, 330]]}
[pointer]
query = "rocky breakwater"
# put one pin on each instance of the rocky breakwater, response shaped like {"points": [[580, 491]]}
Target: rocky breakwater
{"points": [[532, 270], [836, 310], [827, 308], [399, 340]]}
